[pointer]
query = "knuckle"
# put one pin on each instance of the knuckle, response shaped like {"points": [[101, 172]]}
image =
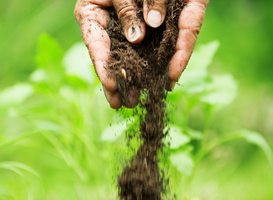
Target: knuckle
{"points": [[77, 13], [195, 30], [87, 12], [192, 32], [83, 10], [198, 5], [126, 13]]}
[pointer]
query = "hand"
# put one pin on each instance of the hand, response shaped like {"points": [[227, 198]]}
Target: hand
{"points": [[92, 16]]}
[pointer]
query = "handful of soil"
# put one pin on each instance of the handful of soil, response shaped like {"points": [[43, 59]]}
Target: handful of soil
{"points": [[143, 68]]}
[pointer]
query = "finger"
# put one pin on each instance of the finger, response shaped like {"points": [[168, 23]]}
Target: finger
{"points": [[113, 98], [92, 19], [134, 28], [155, 13], [190, 22]]}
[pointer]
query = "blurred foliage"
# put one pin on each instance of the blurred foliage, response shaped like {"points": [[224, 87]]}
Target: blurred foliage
{"points": [[54, 129], [21, 23], [54, 118], [60, 140]]}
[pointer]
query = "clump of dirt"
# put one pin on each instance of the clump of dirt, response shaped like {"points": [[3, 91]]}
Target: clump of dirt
{"points": [[143, 68]]}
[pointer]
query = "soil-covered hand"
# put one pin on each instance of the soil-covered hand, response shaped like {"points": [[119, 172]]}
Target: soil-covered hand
{"points": [[93, 15]]}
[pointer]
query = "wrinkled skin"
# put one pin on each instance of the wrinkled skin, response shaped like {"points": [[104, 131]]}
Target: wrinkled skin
{"points": [[92, 15]]}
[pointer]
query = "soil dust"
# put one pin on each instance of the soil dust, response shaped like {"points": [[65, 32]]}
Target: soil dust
{"points": [[143, 68]]}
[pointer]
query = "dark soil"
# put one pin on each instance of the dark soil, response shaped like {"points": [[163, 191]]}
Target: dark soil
{"points": [[146, 69]]}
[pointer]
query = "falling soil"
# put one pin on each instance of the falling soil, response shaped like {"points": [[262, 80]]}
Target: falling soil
{"points": [[143, 68]]}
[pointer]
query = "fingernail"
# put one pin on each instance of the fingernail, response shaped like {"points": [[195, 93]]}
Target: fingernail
{"points": [[172, 85], [154, 18], [133, 33]]}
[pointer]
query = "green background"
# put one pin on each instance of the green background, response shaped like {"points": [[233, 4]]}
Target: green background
{"points": [[244, 29]]}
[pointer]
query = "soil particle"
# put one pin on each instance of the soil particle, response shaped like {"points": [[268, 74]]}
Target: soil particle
{"points": [[143, 68]]}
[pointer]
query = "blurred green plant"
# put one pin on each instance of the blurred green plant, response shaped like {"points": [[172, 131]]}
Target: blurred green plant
{"points": [[53, 123], [212, 92], [59, 135], [198, 88]]}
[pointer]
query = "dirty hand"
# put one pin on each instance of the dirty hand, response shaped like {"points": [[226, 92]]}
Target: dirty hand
{"points": [[92, 16]]}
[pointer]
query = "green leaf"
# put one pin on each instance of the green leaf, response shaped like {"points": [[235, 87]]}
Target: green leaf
{"points": [[16, 94], [38, 75], [77, 83], [49, 58], [194, 82], [221, 91], [49, 53], [257, 139], [195, 77], [176, 137], [202, 57], [183, 162], [214, 90], [194, 134], [250, 136], [112, 132], [77, 62]]}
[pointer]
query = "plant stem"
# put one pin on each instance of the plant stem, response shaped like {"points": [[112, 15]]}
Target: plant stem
{"points": [[190, 104], [209, 114], [201, 146]]}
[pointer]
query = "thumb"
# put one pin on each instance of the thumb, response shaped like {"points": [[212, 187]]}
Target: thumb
{"points": [[134, 28]]}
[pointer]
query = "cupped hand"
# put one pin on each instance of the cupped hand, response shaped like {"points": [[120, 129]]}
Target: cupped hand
{"points": [[92, 16]]}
